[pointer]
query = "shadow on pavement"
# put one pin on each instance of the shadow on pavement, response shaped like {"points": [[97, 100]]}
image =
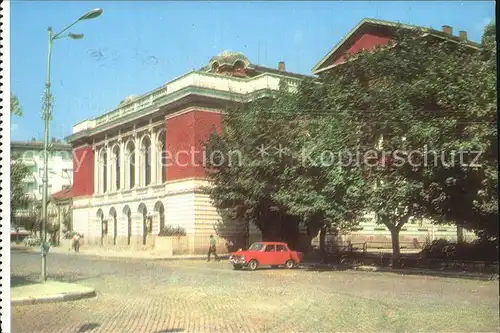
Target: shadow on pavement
{"points": [[17, 281], [87, 327], [321, 269], [170, 330]]}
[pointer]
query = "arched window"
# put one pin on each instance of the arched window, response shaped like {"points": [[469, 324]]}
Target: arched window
{"points": [[128, 214], [116, 155], [131, 164], [146, 149]]}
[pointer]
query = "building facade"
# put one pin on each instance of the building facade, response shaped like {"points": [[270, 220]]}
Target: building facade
{"points": [[60, 165], [139, 168], [60, 177]]}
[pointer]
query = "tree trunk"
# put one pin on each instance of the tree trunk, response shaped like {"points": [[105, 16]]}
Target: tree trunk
{"points": [[247, 234], [460, 234], [322, 237], [396, 254]]}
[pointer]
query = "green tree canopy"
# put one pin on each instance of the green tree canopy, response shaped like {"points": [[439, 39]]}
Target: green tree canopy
{"points": [[18, 196], [430, 105], [15, 106], [418, 113]]}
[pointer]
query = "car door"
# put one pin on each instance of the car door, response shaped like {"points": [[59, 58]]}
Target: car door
{"points": [[269, 255], [282, 254]]}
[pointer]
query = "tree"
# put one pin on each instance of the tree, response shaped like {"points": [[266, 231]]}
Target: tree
{"points": [[468, 195], [403, 103], [273, 185], [18, 197], [15, 106], [489, 34]]}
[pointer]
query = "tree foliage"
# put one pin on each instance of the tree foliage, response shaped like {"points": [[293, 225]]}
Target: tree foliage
{"points": [[18, 196], [15, 106], [273, 183], [418, 112], [430, 105]]}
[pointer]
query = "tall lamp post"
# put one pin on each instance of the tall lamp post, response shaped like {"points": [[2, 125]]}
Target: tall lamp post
{"points": [[47, 116]]}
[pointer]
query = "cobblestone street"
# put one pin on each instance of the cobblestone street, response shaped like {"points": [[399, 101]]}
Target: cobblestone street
{"points": [[197, 296]]}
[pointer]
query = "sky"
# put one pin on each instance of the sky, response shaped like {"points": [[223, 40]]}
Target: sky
{"points": [[137, 46]]}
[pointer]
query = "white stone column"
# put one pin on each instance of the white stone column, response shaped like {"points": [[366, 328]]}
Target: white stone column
{"points": [[122, 164], [154, 157], [138, 162], [96, 170], [109, 164]]}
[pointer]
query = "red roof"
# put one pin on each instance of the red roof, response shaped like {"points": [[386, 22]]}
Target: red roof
{"points": [[63, 194]]}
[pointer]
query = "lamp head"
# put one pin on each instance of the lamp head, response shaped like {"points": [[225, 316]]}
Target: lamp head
{"points": [[75, 36], [91, 15]]}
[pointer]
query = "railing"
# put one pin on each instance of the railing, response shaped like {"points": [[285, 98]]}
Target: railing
{"points": [[194, 79], [366, 246]]}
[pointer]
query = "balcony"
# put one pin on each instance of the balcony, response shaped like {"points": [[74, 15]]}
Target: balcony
{"points": [[146, 192]]}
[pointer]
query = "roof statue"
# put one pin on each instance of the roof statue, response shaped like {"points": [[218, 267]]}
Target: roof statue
{"points": [[229, 58]]}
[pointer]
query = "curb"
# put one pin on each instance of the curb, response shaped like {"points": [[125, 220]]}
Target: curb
{"points": [[65, 297]]}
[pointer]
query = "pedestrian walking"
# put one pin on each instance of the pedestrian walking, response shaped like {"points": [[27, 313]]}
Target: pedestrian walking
{"points": [[212, 249], [76, 242], [229, 245]]}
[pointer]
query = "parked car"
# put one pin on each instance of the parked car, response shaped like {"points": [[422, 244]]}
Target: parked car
{"points": [[272, 254]]}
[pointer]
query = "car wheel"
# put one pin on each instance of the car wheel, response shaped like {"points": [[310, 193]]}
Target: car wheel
{"points": [[290, 264], [237, 267], [253, 265]]}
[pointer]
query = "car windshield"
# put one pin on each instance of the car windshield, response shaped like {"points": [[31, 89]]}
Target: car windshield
{"points": [[256, 247]]}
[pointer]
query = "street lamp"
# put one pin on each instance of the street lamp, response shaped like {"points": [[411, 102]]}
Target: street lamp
{"points": [[47, 116]]}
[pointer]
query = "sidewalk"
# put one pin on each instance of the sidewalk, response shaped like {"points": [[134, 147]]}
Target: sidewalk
{"points": [[110, 253], [50, 291]]}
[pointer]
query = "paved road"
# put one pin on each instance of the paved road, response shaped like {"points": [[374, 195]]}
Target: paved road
{"points": [[195, 296]]}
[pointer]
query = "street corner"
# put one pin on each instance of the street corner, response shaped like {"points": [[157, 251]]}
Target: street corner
{"points": [[49, 292]]}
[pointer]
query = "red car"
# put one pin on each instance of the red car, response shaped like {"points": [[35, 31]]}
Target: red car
{"points": [[266, 254]]}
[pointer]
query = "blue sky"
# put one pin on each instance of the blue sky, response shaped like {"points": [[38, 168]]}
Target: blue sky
{"points": [[136, 46]]}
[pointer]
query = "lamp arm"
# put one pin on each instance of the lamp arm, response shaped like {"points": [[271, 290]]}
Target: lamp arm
{"points": [[56, 36]]}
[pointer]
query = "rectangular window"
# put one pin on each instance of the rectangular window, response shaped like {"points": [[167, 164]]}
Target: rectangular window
{"points": [[270, 248], [163, 166], [281, 248]]}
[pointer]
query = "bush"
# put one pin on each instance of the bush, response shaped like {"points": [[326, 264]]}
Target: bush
{"points": [[32, 241], [172, 231], [472, 251]]}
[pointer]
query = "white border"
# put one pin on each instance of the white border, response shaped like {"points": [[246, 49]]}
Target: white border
{"points": [[5, 169]]}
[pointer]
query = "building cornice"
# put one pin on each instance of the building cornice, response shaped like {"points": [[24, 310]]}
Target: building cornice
{"points": [[54, 146], [171, 100], [192, 109]]}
